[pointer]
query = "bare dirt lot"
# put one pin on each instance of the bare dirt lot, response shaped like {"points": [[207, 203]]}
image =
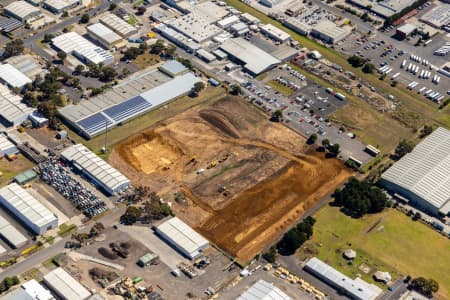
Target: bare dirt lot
{"points": [[245, 179]]}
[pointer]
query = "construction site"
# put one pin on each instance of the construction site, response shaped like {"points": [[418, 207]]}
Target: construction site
{"points": [[239, 179]]}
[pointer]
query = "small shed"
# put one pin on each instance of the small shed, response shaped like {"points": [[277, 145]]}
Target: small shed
{"points": [[349, 254], [380, 276], [173, 68], [37, 119], [147, 259], [62, 134], [25, 177]]}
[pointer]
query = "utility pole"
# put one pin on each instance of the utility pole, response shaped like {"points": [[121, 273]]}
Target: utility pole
{"points": [[106, 136]]}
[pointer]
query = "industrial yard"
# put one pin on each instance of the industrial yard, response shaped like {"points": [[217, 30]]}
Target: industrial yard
{"points": [[231, 162]]}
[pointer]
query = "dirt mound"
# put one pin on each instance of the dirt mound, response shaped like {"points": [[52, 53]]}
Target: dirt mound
{"points": [[219, 121]]}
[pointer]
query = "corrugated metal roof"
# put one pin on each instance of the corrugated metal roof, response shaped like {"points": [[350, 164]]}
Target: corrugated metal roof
{"points": [[12, 76], [12, 106], [30, 290], [117, 24], [95, 166], [426, 170], [101, 31], [10, 233], [173, 68], [183, 235], [65, 285], [22, 9], [25, 204], [262, 290], [5, 144]]}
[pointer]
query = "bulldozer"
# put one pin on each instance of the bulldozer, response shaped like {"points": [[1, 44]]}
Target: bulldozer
{"points": [[193, 160], [212, 164]]}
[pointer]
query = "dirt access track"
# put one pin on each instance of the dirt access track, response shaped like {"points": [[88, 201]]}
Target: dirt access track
{"points": [[245, 178]]}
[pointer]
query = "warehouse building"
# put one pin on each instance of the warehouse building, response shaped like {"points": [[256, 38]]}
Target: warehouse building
{"points": [[6, 147], [357, 288], [117, 25], [438, 16], [96, 169], [87, 52], [9, 25], [105, 37], [329, 32], [385, 8], [295, 8], [275, 33], [182, 237], [28, 209], [65, 286], [423, 176], [30, 290], [254, 59], [228, 22], [13, 111], [297, 26], [22, 11], [173, 68], [262, 290], [59, 6], [239, 29], [250, 19], [28, 65], [196, 26], [11, 234], [404, 31], [126, 101], [206, 56], [177, 38], [13, 77]]}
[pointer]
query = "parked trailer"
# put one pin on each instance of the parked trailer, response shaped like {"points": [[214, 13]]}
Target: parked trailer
{"points": [[388, 71], [437, 80], [403, 64], [395, 75], [414, 84], [421, 73], [422, 89], [409, 67], [428, 42], [428, 92], [340, 96]]}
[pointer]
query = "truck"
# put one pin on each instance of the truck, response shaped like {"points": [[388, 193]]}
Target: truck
{"points": [[340, 96], [329, 90], [403, 64]]}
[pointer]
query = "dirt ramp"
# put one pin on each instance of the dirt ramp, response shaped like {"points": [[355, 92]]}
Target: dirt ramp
{"points": [[220, 122]]}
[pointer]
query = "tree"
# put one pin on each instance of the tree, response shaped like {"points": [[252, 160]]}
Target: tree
{"points": [[132, 214], [394, 83], [79, 69], [424, 286], [402, 149], [271, 255], [108, 74], [198, 87], [277, 115], [426, 130], [158, 47], [295, 237], [48, 38], [85, 19], [235, 90], [13, 48], [132, 53], [325, 143], [334, 149], [368, 68], [312, 139], [141, 10], [112, 6], [61, 55], [356, 61]]}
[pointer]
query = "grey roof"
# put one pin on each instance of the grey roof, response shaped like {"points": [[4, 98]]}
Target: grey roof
{"points": [[22, 9], [30, 290], [358, 288], [262, 290], [330, 29], [12, 106], [183, 236], [255, 59], [407, 28], [12, 76], [94, 165], [65, 285], [60, 4], [5, 144], [27, 65], [9, 24], [173, 67], [438, 16], [426, 170], [101, 31], [117, 24], [25, 204], [11, 234]]}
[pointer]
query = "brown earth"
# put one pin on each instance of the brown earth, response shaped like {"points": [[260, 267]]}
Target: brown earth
{"points": [[270, 176]]}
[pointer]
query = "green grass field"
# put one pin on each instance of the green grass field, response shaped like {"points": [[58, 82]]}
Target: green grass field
{"points": [[396, 244], [140, 123], [9, 169]]}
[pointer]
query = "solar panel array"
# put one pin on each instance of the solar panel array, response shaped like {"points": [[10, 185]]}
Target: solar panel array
{"points": [[94, 123], [8, 25], [124, 110]]}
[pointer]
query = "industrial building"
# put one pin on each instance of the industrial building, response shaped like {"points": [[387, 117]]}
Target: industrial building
{"points": [[22, 11], [9, 25], [228, 22], [147, 259], [29, 290], [11, 234], [275, 33], [423, 176], [87, 52], [295, 8], [254, 59], [6, 147], [357, 288], [13, 111], [96, 169], [329, 32], [206, 56], [173, 68], [385, 8], [297, 26], [65, 286], [13, 77], [262, 290], [438, 16], [177, 38], [250, 19], [117, 25], [59, 6], [28, 209], [126, 101], [27, 65], [405, 30], [105, 37], [239, 29], [182, 237], [196, 26], [37, 119]]}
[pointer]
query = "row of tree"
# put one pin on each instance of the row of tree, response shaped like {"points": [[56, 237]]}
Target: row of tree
{"points": [[357, 61], [424, 286], [360, 197], [294, 238], [8, 282]]}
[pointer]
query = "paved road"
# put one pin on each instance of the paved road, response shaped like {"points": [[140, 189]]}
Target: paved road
{"points": [[398, 289]]}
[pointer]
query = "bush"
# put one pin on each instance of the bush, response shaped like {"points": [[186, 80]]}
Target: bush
{"points": [[107, 253], [294, 238], [271, 255]]}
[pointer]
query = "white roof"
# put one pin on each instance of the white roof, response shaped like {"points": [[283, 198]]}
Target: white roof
{"points": [[183, 235], [228, 21], [60, 4], [12, 76], [249, 18], [25, 204], [2, 250], [117, 24], [255, 59], [426, 170], [11, 105], [358, 288], [275, 32], [10, 233], [262, 290], [71, 42], [95, 166], [22, 9], [330, 29], [407, 28], [195, 25], [5, 144], [101, 31], [36, 291], [65, 285]]}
